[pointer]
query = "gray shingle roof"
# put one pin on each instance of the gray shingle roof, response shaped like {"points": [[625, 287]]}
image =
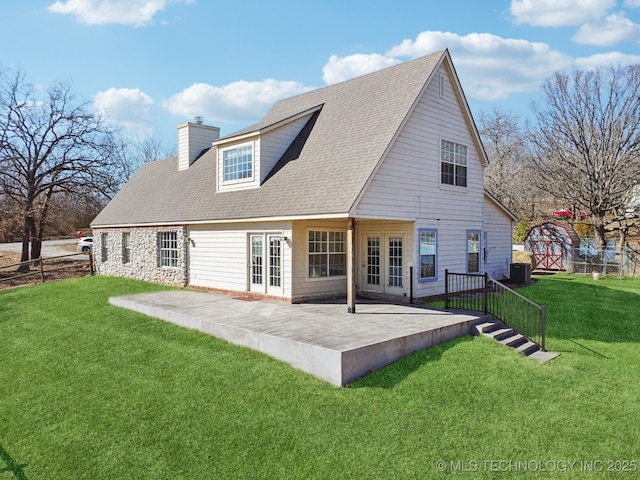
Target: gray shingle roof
{"points": [[358, 120]]}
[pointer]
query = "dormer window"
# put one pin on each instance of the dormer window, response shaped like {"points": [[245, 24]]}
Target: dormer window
{"points": [[237, 163]]}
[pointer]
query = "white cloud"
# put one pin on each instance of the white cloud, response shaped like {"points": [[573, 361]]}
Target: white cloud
{"points": [[556, 13], [608, 31], [490, 67], [127, 107], [240, 101], [99, 12], [611, 59], [632, 3], [338, 69]]}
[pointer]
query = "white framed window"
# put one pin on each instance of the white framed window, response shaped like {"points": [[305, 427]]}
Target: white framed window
{"points": [[427, 254], [453, 163], [126, 247], [168, 249], [237, 164], [473, 251], [443, 85], [104, 246], [327, 254]]}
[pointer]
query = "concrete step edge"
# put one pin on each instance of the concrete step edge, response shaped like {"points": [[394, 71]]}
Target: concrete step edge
{"points": [[480, 328], [543, 357], [514, 341], [527, 348]]}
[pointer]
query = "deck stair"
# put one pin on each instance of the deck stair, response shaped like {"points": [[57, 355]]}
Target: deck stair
{"points": [[507, 336]]}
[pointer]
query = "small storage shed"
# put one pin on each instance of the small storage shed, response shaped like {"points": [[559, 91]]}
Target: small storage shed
{"points": [[551, 245]]}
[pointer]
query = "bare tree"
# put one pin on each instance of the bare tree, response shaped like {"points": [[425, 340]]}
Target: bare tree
{"points": [[508, 175], [149, 149], [587, 141], [50, 145], [627, 218]]}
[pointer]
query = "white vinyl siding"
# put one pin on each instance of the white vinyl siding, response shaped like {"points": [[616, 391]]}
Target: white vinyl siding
{"points": [[385, 251], [499, 241], [268, 148], [273, 144], [192, 140], [407, 183], [220, 255], [303, 286]]}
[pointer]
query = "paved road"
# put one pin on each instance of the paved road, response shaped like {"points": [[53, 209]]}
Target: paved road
{"points": [[50, 248]]}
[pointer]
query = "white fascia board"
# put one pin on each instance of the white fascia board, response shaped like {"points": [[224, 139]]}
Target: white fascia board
{"points": [[323, 216]]}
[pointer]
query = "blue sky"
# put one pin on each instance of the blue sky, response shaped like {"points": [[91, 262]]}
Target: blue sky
{"points": [[154, 64]]}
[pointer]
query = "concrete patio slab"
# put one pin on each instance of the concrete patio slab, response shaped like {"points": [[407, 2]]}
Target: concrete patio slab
{"points": [[321, 339]]}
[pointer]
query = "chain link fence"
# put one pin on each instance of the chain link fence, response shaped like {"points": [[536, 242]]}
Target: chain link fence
{"points": [[610, 261]]}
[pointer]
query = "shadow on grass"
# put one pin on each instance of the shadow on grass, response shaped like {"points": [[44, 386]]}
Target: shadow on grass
{"points": [[11, 465], [393, 374]]}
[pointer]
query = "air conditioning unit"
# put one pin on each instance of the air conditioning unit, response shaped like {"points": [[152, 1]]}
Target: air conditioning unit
{"points": [[520, 273]]}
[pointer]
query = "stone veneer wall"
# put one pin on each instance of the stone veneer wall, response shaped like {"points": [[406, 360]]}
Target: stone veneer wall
{"points": [[144, 261]]}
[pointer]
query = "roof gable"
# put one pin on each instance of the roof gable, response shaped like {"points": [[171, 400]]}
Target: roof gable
{"points": [[348, 138], [500, 207]]}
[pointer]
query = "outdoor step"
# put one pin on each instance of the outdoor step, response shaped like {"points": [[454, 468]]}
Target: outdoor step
{"points": [[514, 340], [501, 333], [507, 336], [543, 357], [480, 328], [527, 348]]}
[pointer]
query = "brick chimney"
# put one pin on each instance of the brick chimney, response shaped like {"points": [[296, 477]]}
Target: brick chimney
{"points": [[193, 138]]}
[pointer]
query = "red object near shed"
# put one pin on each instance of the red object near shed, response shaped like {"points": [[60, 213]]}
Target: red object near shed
{"points": [[551, 244]]}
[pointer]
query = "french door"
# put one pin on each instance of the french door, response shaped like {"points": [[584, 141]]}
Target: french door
{"points": [[265, 266], [382, 262]]}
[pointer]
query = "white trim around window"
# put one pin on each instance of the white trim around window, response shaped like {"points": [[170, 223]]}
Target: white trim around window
{"points": [[453, 163], [427, 254], [474, 248], [168, 249], [237, 164], [326, 254]]}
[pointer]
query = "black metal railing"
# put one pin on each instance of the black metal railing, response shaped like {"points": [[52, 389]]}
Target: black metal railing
{"points": [[480, 293]]}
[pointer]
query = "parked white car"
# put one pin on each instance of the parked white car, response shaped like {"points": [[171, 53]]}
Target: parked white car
{"points": [[85, 244]]}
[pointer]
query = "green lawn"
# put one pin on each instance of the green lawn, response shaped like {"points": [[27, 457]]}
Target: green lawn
{"points": [[91, 391]]}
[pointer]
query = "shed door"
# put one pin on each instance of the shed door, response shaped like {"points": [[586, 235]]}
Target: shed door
{"points": [[548, 254]]}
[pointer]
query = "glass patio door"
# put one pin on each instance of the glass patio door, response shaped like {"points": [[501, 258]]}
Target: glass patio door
{"points": [[383, 263], [374, 273], [265, 266]]}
